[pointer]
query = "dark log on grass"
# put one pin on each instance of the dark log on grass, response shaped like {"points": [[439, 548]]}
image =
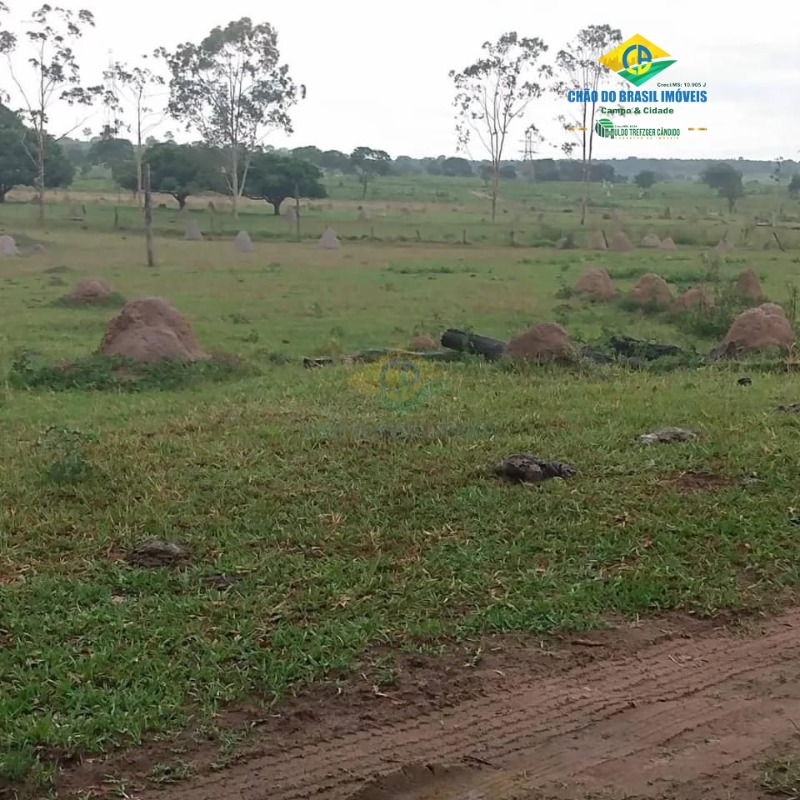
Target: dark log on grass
{"points": [[472, 343], [628, 346]]}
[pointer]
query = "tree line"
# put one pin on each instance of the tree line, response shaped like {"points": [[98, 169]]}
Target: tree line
{"points": [[232, 89]]}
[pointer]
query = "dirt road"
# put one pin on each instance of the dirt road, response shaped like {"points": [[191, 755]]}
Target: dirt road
{"points": [[681, 717]]}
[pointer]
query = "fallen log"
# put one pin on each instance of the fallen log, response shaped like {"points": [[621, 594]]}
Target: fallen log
{"points": [[628, 346], [465, 342]]}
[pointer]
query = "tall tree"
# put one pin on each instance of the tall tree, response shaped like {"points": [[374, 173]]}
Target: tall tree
{"points": [[54, 76], [233, 90], [726, 180], [275, 177], [368, 164], [134, 98], [494, 92], [579, 69]]}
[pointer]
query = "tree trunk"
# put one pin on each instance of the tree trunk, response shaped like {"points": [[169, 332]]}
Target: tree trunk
{"points": [[148, 218], [138, 193], [495, 185], [235, 180], [364, 184], [3, 192], [276, 206], [588, 163], [181, 198], [40, 176]]}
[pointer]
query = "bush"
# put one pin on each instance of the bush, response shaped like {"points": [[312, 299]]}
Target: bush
{"points": [[103, 373]]}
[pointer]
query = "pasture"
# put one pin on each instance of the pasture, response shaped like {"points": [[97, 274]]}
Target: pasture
{"points": [[333, 539]]}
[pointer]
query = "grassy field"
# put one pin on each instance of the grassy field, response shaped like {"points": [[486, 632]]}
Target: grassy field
{"points": [[346, 524]]}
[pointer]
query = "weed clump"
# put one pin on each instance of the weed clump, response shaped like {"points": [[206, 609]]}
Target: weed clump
{"points": [[117, 373]]}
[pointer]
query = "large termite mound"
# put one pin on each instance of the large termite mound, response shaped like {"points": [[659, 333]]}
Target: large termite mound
{"points": [[150, 329], [544, 341], [596, 284], [652, 288], [757, 329]]}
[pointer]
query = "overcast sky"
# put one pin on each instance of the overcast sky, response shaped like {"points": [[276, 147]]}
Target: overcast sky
{"points": [[377, 74]]}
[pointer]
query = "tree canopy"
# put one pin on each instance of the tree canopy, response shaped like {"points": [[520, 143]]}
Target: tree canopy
{"points": [[369, 163], [19, 157], [179, 170], [274, 177], [726, 180], [645, 179], [494, 92], [232, 88]]}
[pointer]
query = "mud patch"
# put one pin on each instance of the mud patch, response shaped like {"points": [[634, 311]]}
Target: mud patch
{"points": [[697, 482], [425, 782]]}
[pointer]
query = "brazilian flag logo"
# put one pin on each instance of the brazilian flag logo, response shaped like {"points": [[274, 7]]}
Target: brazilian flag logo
{"points": [[637, 60], [605, 128]]}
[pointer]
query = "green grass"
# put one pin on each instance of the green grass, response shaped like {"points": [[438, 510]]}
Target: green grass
{"points": [[782, 778], [353, 524]]}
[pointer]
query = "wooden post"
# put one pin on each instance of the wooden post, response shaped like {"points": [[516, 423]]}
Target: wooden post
{"points": [[464, 236], [513, 241], [297, 210], [148, 217], [372, 232], [419, 236], [116, 218]]}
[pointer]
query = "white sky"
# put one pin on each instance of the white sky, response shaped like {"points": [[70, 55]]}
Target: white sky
{"points": [[377, 74]]}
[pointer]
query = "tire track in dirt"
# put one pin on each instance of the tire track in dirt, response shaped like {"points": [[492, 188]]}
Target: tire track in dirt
{"points": [[669, 714]]}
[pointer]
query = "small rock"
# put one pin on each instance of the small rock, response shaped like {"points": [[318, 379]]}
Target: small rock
{"points": [[155, 553], [527, 468], [668, 435], [792, 409], [744, 381]]}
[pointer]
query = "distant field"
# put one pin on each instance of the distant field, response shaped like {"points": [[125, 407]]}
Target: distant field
{"points": [[350, 546]]}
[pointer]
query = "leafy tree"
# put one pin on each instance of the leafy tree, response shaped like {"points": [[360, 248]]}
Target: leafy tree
{"points": [[494, 92], [274, 177], [77, 152], [335, 160], [726, 180], [794, 186], [405, 165], [54, 75], [455, 167], [133, 97], [309, 153], [18, 157], [579, 68], [126, 175], [110, 151], [508, 172], [232, 89], [645, 179], [179, 170], [546, 169], [368, 164]]}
